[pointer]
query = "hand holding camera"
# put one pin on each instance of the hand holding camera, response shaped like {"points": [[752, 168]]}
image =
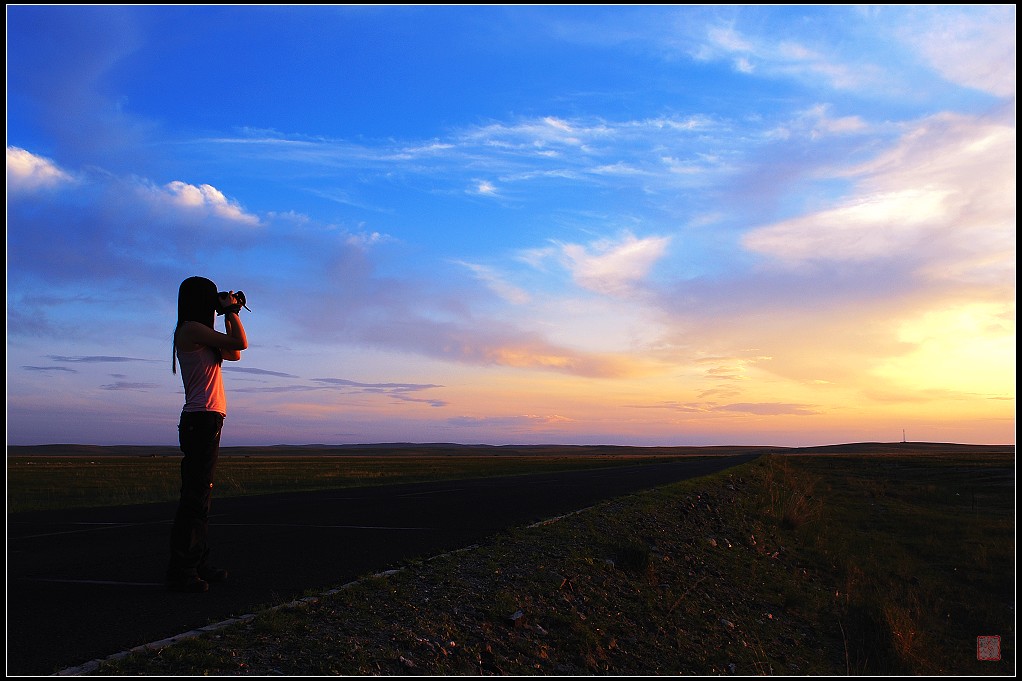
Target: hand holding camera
{"points": [[231, 301]]}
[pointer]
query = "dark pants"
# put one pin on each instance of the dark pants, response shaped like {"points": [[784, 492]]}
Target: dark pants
{"points": [[199, 434]]}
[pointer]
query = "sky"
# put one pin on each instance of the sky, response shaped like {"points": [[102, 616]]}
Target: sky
{"points": [[657, 225]]}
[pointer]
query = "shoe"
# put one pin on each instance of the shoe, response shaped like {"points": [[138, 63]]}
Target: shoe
{"points": [[213, 575], [191, 585]]}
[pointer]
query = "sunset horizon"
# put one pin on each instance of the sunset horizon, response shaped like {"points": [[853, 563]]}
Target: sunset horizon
{"points": [[650, 226]]}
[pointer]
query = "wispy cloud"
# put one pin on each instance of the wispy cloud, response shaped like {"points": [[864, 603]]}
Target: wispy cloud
{"points": [[276, 389], [783, 54], [768, 409], [523, 421], [257, 372], [97, 359], [131, 387], [542, 148], [401, 392], [498, 284], [382, 387], [756, 408]]}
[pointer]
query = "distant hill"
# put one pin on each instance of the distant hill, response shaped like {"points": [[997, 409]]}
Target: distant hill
{"points": [[90, 450], [384, 449], [903, 447], [453, 449]]}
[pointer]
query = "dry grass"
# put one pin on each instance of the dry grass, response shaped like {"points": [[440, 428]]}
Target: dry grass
{"points": [[37, 482], [781, 566]]}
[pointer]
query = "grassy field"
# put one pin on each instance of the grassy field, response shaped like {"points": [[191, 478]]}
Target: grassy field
{"points": [[79, 477], [868, 560]]}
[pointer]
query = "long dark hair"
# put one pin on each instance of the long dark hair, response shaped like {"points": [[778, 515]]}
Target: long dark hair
{"points": [[196, 302]]}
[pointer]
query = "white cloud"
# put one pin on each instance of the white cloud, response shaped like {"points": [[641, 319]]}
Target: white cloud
{"points": [[28, 172], [969, 46], [613, 267], [944, 197], [209, 198], [866, 227], [484, 188]]}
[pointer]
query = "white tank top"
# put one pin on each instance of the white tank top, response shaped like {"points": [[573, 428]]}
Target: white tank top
{"points": [[203, 382]]}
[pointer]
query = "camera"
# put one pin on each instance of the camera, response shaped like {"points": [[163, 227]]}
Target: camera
{"points": [[225, 295]]}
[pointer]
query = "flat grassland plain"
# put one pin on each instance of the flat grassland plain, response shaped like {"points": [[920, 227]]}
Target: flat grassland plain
{"points": [[861, 559], [78, 476]]}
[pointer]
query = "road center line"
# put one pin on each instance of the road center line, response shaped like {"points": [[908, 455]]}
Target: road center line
{"points": [[90, 581], [328, 527]]}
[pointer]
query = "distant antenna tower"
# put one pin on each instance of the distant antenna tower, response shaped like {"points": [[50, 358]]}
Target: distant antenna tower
{"points": [[903, 435]]}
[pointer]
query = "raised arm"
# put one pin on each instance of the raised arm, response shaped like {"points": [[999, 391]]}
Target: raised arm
{"points": [[193, 334], [235, 330]]}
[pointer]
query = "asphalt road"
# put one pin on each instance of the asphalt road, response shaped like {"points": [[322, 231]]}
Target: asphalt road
{"points": [[86, 584]]}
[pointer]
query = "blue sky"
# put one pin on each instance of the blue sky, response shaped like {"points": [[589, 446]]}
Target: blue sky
{"points": [[649, 225]]}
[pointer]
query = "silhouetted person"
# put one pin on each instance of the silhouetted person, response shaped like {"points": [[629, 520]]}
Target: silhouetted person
{"points": [[200, 349]]}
